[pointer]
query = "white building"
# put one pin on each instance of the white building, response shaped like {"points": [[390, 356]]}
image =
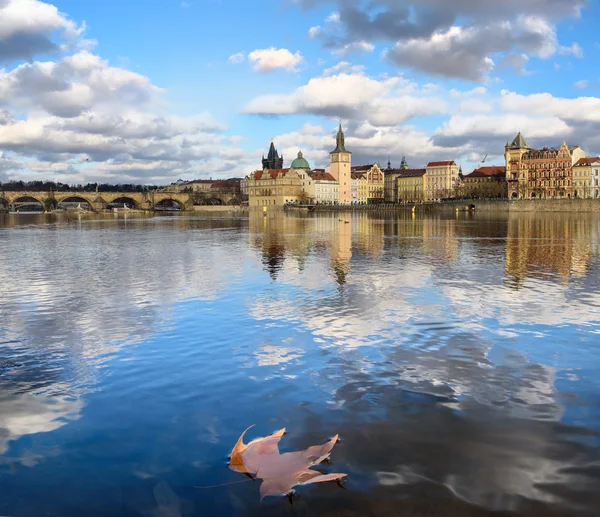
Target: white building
{"points": [[354, 189], [596, 179], [325, 188], [442, 179]]}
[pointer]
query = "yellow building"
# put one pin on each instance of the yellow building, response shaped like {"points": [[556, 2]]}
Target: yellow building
{"points": [[390, 185], [486, 182], [442, 179], [411, 186], [340, 166], [275, 187], [371, 183], [582, 178]]}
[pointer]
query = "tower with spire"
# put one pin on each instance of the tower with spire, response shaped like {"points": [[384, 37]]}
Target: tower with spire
{"points": [[272, 161], [340, 167]]}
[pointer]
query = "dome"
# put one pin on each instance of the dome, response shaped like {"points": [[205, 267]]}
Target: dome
{"points": [[300, 162]]}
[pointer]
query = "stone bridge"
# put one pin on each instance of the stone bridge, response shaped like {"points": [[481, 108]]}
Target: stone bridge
{"points": [[151, 200]]}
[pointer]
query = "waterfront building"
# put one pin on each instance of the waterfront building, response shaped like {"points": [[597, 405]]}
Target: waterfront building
{"points": [[354, 177], [596, 179], [325, 190], [370, 183], [244, 186], [442, 180], [545, 173], [411, 186], [486, 182], [340, 166], [275, 187], [390, 186], [583, 177]]}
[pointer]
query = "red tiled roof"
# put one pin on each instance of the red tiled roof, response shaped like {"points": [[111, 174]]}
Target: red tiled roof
{"points": [[587, 161], [321, 175], [274, 173], [439, 164], [356, 175], [486, 172]]}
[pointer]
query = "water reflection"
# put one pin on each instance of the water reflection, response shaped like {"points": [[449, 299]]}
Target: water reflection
{"points": [[456, 356]]}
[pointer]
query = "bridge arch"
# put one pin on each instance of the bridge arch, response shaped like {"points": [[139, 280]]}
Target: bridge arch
{"points": [[28, 203], [73, 201], [123, 202], [169, 204], [213, 201]]}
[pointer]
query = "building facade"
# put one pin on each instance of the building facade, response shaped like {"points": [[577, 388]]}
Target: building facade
{"points": [[371, 183], [275, 187], [324, 188], [390, 186], [411, 186], [340, 166], [354, 188], [583, 177], [442, 180], [485, 182], [545, 173]]}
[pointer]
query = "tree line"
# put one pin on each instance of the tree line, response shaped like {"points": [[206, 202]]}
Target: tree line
{"points": [[54, 186]]}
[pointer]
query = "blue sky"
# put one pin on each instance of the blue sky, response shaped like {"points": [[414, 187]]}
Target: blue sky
{"points": [[156, 90]]}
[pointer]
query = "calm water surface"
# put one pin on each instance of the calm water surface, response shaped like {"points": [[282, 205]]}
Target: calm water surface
{"points": [[458, 358]]}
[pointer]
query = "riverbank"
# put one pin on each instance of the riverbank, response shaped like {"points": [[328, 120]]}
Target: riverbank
{"points": [[478, 205]]}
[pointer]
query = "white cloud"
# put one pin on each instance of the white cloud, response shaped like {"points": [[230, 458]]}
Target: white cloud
{"points": [[82, 106], [574, 50], [582, 84], [466, 52], [236, 59], [270, 59], [333, 18], [383, 102], [344, 66], [459, 39], [356, 47], [313, 32], [32, 27]]}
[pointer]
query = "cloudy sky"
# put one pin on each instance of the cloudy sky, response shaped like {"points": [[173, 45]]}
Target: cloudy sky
{"points": [[149, 91]]}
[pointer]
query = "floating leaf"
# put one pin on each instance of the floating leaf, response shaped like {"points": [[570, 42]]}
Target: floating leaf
{"points": [[280, 473]]}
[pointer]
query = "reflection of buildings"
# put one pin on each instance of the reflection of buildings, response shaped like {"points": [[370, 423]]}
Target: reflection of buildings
{"points": [[556, 244], [293, 236], [341, 250]]}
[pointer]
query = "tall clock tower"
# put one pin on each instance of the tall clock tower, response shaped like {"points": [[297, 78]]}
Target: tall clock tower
{"points": [[340, 166]]}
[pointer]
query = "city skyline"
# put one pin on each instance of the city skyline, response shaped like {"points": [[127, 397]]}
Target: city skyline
{"points": [[121, 93]]}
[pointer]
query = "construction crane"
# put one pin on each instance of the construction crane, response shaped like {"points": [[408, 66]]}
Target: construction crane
{"points": [[483, 161]]}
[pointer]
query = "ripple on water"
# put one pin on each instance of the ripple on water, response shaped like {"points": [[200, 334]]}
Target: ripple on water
{"points": [[456, 357]]}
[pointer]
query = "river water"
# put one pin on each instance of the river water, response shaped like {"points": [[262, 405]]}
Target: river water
{"points": [[457, 357]]}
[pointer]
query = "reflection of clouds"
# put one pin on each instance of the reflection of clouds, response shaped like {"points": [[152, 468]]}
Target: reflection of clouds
{"points": [[100, 284], [30, 413], [272, 355]]}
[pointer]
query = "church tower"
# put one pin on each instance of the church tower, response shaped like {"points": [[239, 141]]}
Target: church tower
{"points": [[340, 167], [273, 161]]}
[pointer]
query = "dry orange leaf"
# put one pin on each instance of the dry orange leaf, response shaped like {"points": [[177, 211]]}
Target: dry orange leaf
{"points": [[280, 473]]}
